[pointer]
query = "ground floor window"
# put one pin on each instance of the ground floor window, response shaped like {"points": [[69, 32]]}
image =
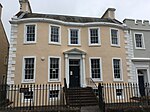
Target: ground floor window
{"points": [[54, 68], [95, 65], [117, 69]]}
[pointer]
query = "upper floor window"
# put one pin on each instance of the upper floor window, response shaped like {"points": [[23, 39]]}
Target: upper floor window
{"points": [[54, 34], [139, 41], [95, 66], [28, 69], [94, 36], [74, 38], [30, 33], [117, 69], [115, 41], [54, 69]]}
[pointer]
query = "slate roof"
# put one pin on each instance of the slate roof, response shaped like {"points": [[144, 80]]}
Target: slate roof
{"points": [[67, 18]]}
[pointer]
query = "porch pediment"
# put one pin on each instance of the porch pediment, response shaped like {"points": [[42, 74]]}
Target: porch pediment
{"points": [[75, 51]]}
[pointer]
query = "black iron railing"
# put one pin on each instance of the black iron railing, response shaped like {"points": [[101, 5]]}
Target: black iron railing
{"points": [[45, 97], [123, 95]]}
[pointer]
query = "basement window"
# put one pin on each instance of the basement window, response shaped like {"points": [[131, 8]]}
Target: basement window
{"points": [[53, 93]]}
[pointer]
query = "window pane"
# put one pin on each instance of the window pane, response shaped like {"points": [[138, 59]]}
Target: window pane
{"points": [[138, 39], [54, 68], [53, 93], [74, 39], [95, 68], [94, 36], [54, 34], [118, 92], [114, 36], [29, 68], [117, 70], [30, 34]]}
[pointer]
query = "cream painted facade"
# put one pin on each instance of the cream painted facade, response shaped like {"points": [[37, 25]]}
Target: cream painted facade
{"points": [[42, 50]]}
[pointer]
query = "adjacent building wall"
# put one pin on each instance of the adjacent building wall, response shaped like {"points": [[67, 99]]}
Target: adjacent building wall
{"points": [[4, 46]]}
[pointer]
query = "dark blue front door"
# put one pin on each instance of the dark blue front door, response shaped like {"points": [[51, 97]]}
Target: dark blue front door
{"points": [[74, 73], [141, 85]]}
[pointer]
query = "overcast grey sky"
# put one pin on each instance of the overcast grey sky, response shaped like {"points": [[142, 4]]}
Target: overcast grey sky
{"points": [[132, 9]]}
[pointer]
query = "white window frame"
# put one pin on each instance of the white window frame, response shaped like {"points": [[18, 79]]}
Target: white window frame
{"points": [[25, 32], [59, 35], [99, 39], [143, 42], [121, 70], [69, 37], [23, 74], [59, 73], [118, 36], [101, 76]]}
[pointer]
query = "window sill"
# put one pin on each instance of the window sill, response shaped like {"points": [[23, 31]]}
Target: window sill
{"points": [[118, 80], [57, 81], [95, 45], [27, 81], [53, 43], [75, 45], [97, 80], [32, 43], [139, 48], [118, 46]]}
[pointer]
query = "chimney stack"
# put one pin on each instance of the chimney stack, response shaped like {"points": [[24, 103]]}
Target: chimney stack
{"points": [[25, 6], [110, 13], [1, 10]]}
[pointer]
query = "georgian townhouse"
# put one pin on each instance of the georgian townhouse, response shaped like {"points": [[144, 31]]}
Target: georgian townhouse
{"points": [[46, 48], [4, 46], [139, 32]]}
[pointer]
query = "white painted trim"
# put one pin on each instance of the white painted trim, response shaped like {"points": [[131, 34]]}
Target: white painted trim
{"points": [[143, 29], [23, 66], [99, 37], [143, 42], [59, 75], [140, 59], [121, 70], [118, 36], [101, 76], [79, 38], [25, 30], [49, 39], [26, 20], [142, 66]]}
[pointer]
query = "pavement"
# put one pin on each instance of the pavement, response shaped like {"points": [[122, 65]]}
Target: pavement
{"points": [[90, 109]]}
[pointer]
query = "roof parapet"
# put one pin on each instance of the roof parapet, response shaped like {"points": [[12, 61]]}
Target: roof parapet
{"points": [[137, 23]]}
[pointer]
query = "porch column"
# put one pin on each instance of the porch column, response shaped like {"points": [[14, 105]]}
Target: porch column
{"points": [[66, 69], [83, 71]]}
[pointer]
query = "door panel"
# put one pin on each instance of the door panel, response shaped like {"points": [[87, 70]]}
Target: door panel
{"points": [[141, 85], [74, 72]]}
